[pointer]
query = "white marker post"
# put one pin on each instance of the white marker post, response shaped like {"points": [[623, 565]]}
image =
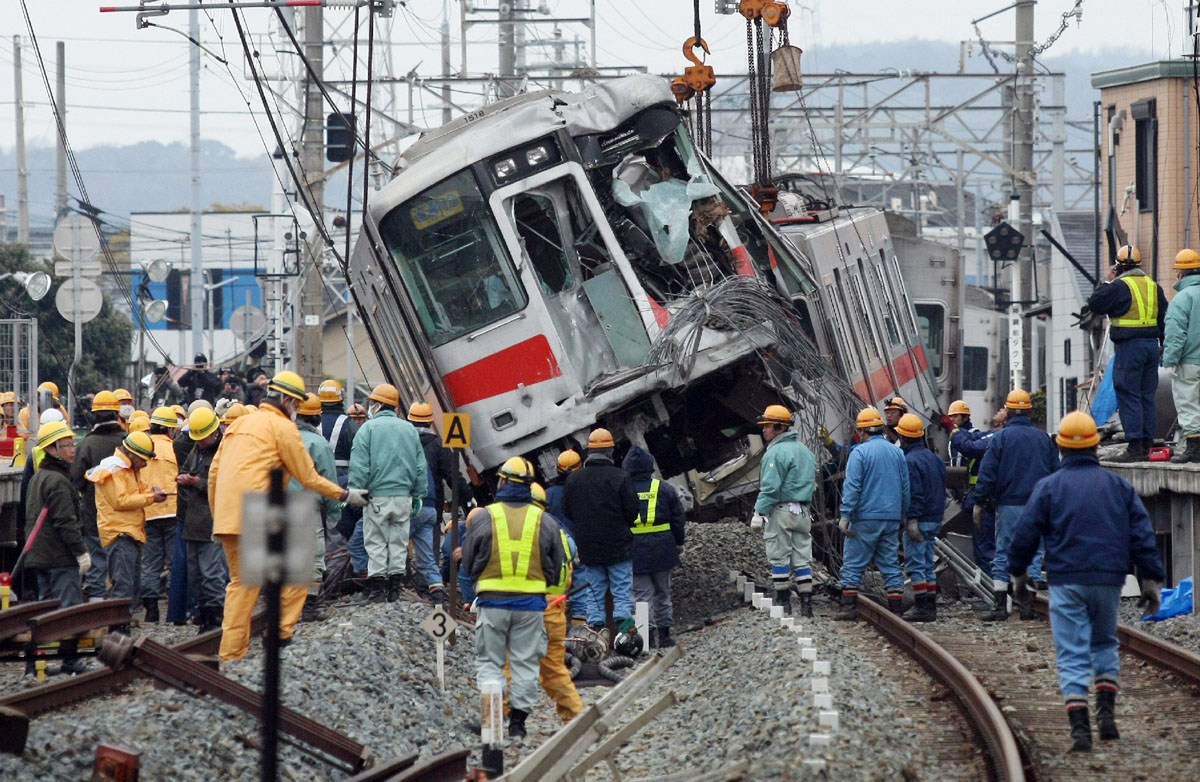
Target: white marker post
{"points": [[641, 618], [440, 627]]}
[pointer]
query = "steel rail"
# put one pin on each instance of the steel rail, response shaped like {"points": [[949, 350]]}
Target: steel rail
{"points": [[1163, 654], [15, 620], [447, 767], [1004, 752], [70, 622]]}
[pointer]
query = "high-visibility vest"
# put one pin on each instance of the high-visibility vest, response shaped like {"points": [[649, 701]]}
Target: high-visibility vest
{"points": [[515, 565], [647, 525], [1143, 306], [564, 575]]}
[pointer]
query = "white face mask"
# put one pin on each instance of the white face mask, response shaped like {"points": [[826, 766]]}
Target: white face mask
{"points": [[373, 409], [125, 411]]}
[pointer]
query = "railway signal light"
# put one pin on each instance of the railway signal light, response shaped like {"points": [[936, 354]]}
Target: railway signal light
{"points": [[339, 137], [1004, 242]]}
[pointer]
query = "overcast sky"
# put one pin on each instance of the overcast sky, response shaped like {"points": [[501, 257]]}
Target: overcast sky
{"points": [[126, 85]]}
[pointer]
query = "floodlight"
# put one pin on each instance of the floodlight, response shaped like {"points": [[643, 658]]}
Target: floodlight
{"points": [[158, 270], [154, 310]]}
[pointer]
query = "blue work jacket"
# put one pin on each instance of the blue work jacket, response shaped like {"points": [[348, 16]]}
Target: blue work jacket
{"points": [[1018, 456], [1115, 300], [1093, 523], [927, 483], [876, 486], [654, 552]]}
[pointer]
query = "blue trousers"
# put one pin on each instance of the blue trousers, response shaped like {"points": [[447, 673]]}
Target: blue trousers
{"points": [[125, 568], [602, 579], [180, 599], [918, 557], [1007, 517], [1083, 621], [983, 541], [358, 550], [877, 540], [157, 552], [96, 580], [420, 532], [1135, 379]]}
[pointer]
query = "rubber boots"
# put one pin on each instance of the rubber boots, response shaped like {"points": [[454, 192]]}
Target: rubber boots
{"points": [[895, 603], [1106, 702], [999, 606], [925, 611], [516, 723], [1081, 730], [1136, 451], [664, 638], [151, 606], [1189, 456], [783, 597], [848, 610], [806, 605]]}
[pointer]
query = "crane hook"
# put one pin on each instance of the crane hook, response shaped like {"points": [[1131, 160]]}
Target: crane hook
{"points": [[689, 47]]}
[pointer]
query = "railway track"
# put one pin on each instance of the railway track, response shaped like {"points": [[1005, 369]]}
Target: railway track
{"points": [[1003, 675]]}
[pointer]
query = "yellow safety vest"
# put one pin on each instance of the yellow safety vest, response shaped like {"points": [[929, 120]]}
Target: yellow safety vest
{"points": [[1143, 308], [564, 575], [515, 565], [647, 525]]}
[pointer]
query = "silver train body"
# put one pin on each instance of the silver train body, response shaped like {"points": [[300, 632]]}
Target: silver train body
{"points": [[528, 264]]}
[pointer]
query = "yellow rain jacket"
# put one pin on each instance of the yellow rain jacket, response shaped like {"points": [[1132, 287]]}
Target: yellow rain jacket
{"points": [[252, 447], [120, 499], [161, 471]]}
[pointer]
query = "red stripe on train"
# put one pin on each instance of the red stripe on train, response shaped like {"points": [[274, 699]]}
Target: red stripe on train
{"points": [[528, 362], [881, 381]]}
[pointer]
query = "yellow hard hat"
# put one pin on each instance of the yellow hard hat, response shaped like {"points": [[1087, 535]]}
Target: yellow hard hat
{"points": [[251, 408], [385, 394], [105, 401], [1077, 430], [896, 403], [51, 387], [234, 411], [868, 418], [600, 439], [1129, 255], [139, 424], [538, 495], [140, 444], [517, 469], [288, 383], [310, 406], [1018, 399], [123, 395], [1187, 259], [357, 411], [164, 416], [201, 423], [569, 460], [179, 411], [910, 426], [8, 398], [775, 414], [52, 432], [959, 407], [420, 413], [139, 414], [330, 390]]}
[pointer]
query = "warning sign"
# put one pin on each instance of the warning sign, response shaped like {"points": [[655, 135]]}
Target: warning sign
{"points": [[456, 430]]}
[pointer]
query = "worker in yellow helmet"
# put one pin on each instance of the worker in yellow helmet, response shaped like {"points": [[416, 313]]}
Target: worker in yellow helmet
{"points": [[308, 421], [121, 500], [161, 519], [253, 447], [47, 399], [1136, 308], [208, 572], [1181, 352], [106, 435]]}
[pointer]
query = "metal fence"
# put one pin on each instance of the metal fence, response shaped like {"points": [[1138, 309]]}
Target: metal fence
{"points": [[19, 363]]}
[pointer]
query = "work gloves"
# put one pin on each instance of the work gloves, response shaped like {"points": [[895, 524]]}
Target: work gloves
{"points": [[1151, 597], [85, 563], [946, 422], [356, 497], [826, 438], [758, 521], [417, 504], [914, 531], [844, 526]]}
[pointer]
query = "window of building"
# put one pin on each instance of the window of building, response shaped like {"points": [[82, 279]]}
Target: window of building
{"points": [[975, 369], [1145, 154], [931, 322]]}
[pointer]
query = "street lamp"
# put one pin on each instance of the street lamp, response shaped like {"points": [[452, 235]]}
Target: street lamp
{"points": [[36, 284]]}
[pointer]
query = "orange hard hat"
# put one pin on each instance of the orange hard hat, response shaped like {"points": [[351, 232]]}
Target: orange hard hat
{"points": [[569, 460], [1077, 430], [959, 407], [1018, 399], [775, 414], [910, 426], [600, 439], [420, 413], [868, 418], [385, 394], [310, 406]]}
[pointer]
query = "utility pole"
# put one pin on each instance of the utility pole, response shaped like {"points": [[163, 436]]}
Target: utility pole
{"points": [[1022, 164], [309, 353], [445, 62], [60, 159], [22, 164], [508, 51], [197, 280]]}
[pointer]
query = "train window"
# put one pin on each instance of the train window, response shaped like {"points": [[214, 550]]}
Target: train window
{"points": [[449, 252], [975, 368], [889, 311], [864, 320], [931, 322], [537, 223]]}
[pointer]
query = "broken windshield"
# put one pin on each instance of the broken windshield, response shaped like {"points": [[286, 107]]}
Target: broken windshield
{"points": [[449, 252]]}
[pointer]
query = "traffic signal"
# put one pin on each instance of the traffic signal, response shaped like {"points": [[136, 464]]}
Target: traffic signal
{"points": [[1004, 242], [339, 137]]}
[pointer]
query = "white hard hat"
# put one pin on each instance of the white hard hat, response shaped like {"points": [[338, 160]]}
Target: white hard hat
{"points": [[51, 415]]}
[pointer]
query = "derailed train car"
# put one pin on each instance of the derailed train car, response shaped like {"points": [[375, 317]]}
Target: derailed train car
{"points": [[559, 261]]}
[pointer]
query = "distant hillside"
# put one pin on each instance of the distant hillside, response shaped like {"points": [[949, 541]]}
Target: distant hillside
{"points": [[149, 176]]}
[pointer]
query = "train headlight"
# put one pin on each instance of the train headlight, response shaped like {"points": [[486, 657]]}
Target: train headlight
{"points": [[536, 156], [504, 168]]}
